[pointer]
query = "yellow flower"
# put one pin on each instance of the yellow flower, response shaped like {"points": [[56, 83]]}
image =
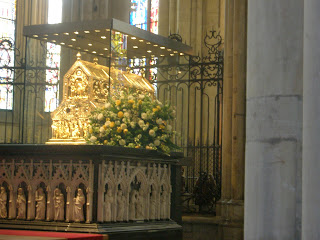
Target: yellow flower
{"points": [[104, 126], [119, 130], [120, 114], [105, 142], [155, 109], [137, 146], [134, 106], [112, 124], [90, 130], [118, 102], [162, 127], [131, 101], [158, 107], [125, 131], [140, 102]]}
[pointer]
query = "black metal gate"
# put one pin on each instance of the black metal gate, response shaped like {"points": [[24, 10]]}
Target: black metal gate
{"points": [[25, 121], [193, 85]]}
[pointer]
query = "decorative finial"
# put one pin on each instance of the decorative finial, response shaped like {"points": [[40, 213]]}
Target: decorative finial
{"points": [[95, 60], [78, 56]]}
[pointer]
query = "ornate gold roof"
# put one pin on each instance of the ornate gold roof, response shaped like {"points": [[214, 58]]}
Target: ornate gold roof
{"points": [[118, 77]]}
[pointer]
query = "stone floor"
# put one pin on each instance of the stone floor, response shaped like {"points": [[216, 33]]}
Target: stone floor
{"points": [[201, 227]]}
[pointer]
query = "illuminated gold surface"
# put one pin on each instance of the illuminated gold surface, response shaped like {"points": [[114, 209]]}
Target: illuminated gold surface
{"points": [[86, 86]]}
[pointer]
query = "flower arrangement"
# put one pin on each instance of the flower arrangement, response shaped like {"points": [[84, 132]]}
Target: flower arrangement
{"points": [[134, 120]]}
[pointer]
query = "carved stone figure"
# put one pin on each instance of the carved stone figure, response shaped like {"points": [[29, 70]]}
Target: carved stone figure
{"points": [[41, 204], [75, 130], [163, 206], [21, 204], [121, 200], [79, 201], [140, 205], [153, 204], [132, 206], [58, 202], [108, 206], [3, 203]]}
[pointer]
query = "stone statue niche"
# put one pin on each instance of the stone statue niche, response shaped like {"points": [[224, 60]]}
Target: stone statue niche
{"points": [[108, 204], [132, 205], [137, 204], [140, 205], [86, 87], [120, 205], [41, 202], [79, 205], [164, 202], [21, 201], [4, 200], [59, 201], [154, 203], [133, 198]]}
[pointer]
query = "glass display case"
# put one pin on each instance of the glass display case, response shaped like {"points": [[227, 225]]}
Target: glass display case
{"points": [[114, 56]]}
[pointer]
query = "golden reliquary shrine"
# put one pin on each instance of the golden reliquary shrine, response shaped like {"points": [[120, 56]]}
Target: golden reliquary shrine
{"points": [[87, 85], [126, 193]]}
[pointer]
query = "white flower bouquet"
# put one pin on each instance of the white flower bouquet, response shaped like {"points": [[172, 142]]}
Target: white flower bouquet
{"points": [[133, 120]]}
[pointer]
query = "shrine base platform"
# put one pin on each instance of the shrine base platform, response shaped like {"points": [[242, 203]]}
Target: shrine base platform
{"points": [[42, 235], [95, 170], [157, 230]]}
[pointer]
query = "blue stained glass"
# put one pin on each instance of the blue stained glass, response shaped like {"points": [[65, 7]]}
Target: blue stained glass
{"points": [[139, 14]]}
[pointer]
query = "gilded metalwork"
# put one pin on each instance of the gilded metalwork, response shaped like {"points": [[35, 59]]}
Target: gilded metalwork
{"points": [[87, 86], [77, 85]]}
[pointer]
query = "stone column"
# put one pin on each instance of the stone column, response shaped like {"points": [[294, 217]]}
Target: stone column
{"points": [[227, 106], [274, 120], [311, 126], [164, 18], [233, 138]]}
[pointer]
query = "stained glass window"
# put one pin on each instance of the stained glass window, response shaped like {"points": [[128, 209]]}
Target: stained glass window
{"points": [[139, 14], [119, 48], [154, 19], [145, 16], [53, 60], [7, 37], [154, 16]]}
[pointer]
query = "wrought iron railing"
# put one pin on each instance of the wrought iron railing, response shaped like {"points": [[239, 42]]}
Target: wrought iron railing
{"points": [[193, 85]]}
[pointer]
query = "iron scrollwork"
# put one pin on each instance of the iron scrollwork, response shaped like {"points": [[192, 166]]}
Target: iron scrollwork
{"points": [[194, 85]]}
